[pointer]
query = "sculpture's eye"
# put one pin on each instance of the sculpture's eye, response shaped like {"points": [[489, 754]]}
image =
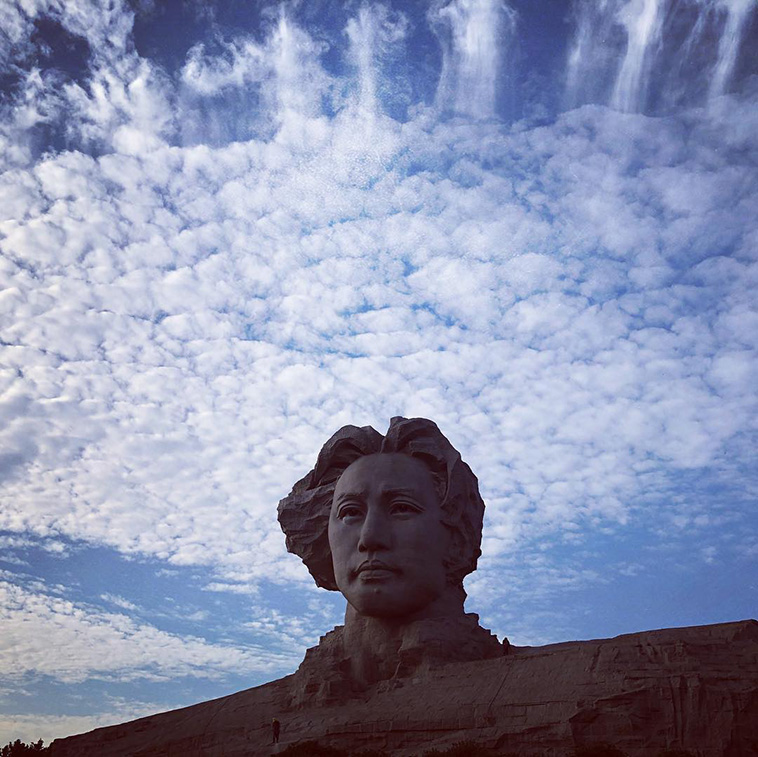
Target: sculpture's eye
{"points": [[404, 508], [349, 512]]}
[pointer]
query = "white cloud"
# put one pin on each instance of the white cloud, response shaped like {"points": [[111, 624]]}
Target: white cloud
{"points": [[242, 62], [45, 96], [124, 604], [106, 29], [46, 635], [281, 75]]}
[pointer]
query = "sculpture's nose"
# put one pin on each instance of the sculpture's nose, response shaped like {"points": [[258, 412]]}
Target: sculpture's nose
{"points": [[375, 531]]}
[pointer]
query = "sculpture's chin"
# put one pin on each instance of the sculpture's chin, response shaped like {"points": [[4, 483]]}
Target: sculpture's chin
{"points": [[376, 603], [376, 609], [383, 600]]}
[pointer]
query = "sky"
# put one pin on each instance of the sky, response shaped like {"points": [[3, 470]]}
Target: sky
{"points": [[228, 229]]}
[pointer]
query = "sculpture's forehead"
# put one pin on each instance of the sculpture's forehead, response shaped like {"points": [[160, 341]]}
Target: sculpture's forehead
{"points": [[384, 472]]}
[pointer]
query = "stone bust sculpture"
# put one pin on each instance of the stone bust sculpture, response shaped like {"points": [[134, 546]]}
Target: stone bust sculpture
{"points": [[394, 523]]}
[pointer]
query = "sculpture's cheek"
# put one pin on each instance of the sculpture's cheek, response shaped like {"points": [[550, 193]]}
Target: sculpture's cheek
{"points": [[343, 543]]}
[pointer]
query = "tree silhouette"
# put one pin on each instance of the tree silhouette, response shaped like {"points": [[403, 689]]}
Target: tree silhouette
{"points": [[18, 748]]}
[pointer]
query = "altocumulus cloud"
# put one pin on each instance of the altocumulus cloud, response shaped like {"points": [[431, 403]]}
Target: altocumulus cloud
{"points": [[197, 292]]}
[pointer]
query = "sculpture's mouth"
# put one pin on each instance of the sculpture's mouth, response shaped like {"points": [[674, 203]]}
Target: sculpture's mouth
{"points": [[375, 570]]}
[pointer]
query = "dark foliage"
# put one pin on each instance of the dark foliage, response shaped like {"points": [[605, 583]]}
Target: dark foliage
{"points": [[18, 748], [675, 753]]}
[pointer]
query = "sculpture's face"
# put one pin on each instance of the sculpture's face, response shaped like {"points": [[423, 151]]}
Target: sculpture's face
{"points": [[387, 538]]}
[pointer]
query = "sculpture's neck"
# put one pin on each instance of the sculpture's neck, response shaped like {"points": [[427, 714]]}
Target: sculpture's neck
{"points": [[367, 650]]}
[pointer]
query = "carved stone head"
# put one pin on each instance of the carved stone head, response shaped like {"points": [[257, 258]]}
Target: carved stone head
{"points": [[386, 520]]}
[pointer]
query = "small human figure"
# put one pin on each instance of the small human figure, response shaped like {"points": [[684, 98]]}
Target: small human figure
{"points": [[275, 728]]}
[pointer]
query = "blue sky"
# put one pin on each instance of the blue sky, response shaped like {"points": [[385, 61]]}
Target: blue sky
{"points": [[229, 229]]}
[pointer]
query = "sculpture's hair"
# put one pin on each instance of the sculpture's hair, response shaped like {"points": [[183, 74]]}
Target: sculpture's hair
{"points": [[304, 512]]}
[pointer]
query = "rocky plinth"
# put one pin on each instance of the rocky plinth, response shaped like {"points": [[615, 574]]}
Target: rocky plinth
{"points": [[684, 688], [327, 675]]}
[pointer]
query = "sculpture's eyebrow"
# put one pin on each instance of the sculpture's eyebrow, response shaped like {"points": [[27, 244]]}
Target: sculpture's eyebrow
{"points": [[360, 493], [388, 494]]}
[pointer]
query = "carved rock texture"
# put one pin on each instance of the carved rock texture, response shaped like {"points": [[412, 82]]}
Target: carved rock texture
{"points": [[324, 676], [683, 688]]}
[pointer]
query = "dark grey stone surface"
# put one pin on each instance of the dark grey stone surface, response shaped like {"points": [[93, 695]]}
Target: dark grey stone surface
{"points": [[681, 688]]}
